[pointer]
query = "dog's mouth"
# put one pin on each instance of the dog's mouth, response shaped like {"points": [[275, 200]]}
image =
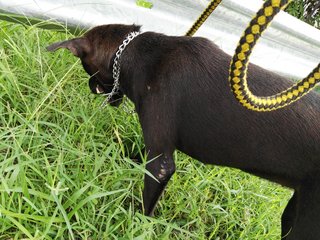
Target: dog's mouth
{"points": [[102, 90], [96, 87], [99, 89]]}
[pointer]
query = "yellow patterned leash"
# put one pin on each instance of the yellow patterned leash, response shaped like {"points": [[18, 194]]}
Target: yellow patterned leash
{"points": [[203, 17], [240, 61]]}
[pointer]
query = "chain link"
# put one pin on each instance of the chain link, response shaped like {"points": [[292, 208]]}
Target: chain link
{"points": [[116, 67]]}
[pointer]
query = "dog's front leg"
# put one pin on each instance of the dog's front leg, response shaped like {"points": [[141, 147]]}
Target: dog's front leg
{"points": [[162, 168], [159, 133]]}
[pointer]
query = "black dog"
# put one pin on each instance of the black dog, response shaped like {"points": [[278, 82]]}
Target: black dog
{"points": [[180, 89]]}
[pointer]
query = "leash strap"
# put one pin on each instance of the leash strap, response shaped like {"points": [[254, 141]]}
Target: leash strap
{"points": [[240, 61], [203, 17]]}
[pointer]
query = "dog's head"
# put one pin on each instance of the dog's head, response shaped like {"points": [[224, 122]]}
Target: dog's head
{"points": [[96, 50]]}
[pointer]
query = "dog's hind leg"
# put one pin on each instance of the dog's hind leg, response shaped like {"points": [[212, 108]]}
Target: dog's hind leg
{"points": [[288, 216], [307, 222]]}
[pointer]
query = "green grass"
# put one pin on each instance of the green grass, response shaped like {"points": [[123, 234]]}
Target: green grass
{"points": [[65, 171]]}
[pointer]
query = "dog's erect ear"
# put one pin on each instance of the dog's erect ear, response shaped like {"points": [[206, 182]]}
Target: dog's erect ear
{"points": [[78, 46]]}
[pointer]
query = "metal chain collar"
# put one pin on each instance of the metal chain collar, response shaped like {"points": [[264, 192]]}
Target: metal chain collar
{"points": [[116, 67]]}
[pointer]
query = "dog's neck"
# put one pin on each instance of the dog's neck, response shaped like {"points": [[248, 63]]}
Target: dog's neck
{"points": [[116, 65]]}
